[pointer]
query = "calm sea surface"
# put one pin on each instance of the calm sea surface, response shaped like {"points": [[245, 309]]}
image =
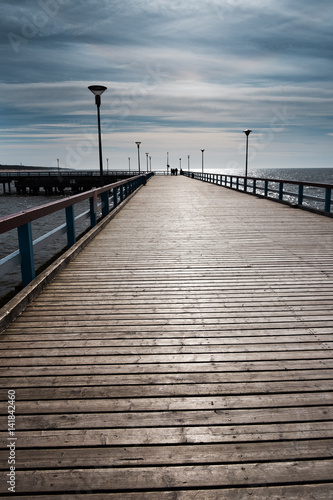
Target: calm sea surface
{"points": [[15, 203]]}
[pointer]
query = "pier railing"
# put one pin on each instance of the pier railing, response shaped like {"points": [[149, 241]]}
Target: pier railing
{"points": [[308, 195], [102, 200], [68, 173]]}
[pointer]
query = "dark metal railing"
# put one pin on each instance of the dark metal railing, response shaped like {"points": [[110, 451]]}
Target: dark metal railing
{"points": [[62, 173], [303, 194]]}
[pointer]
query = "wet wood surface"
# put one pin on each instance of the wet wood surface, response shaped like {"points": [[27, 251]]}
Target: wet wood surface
{"points": [[185, 353]]}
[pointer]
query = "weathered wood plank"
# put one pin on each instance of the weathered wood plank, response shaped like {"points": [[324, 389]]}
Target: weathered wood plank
{"points": [[298, 492], [138, 358], [220, 341], [170, 389], [51, 374], [181, 434], [307, 349], [113, 479], [164, 455], [175, 403], [173, 417]]}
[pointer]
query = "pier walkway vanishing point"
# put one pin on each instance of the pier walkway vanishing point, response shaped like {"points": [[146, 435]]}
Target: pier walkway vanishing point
{"points": [[185, 353]]}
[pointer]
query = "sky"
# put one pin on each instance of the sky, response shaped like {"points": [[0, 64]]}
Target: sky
{"points": [[181, 76]]}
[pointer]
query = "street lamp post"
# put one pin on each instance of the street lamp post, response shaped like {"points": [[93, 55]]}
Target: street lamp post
{"points": [[98, 90], [149, 163], [188, 163], [168, 163], [247, 132], [147, 156], [58, 166], [129, 163], [138, 144], [202, 160], [107, 165]]}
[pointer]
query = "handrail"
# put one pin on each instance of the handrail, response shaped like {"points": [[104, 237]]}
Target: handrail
{"points": [[274, 189], [21, 221], [78, 173]]}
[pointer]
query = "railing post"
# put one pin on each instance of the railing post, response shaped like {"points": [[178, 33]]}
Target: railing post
{"points": [[105, 203], [254, 186], [237, 183], [70, 222], [280, 190], [115, 197], [266, 188], [300, 194], [27, 253], [328, 192], [93, 210], [121, 193]]}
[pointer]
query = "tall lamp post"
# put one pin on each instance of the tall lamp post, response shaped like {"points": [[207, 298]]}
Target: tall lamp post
{"points": [[107, 165], [188, 163], [149, 163], [138, 144], [247, 132], [98, 90], [168, 163], [202, 160], [129, 163], [147, 156]]}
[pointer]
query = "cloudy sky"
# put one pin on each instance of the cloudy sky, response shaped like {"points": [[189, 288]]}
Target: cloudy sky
{"points": [[182, 75]]}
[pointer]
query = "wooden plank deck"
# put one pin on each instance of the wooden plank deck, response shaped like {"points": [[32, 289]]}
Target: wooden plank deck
{"points": [[186, 353]]}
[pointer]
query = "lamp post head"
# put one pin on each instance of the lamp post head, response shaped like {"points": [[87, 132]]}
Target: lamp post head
{"points": [[247, 132], [202, 150], [138, 144], [97, 90]]}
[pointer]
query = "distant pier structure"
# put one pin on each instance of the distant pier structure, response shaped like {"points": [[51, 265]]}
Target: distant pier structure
{"points": [[54, 182]]}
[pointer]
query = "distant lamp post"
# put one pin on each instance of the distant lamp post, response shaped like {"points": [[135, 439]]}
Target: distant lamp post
{"points": [[147, 156], [168, 166], [180, 165], [202, 160], [107, 165], [188, 163], [98, 90], [138, 144], [58, 166], [129, 163], [247, 132], [150, 163]]}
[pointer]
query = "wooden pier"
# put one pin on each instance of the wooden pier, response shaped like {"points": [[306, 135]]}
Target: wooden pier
{"points": [[53, 182], [186, 353]]}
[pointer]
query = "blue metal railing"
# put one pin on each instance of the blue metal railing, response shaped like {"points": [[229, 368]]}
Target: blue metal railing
{"points": [[111, 195], [303, 194]]}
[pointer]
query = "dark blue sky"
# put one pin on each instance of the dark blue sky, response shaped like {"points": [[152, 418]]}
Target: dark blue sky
{"points": [[182, 75]]}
